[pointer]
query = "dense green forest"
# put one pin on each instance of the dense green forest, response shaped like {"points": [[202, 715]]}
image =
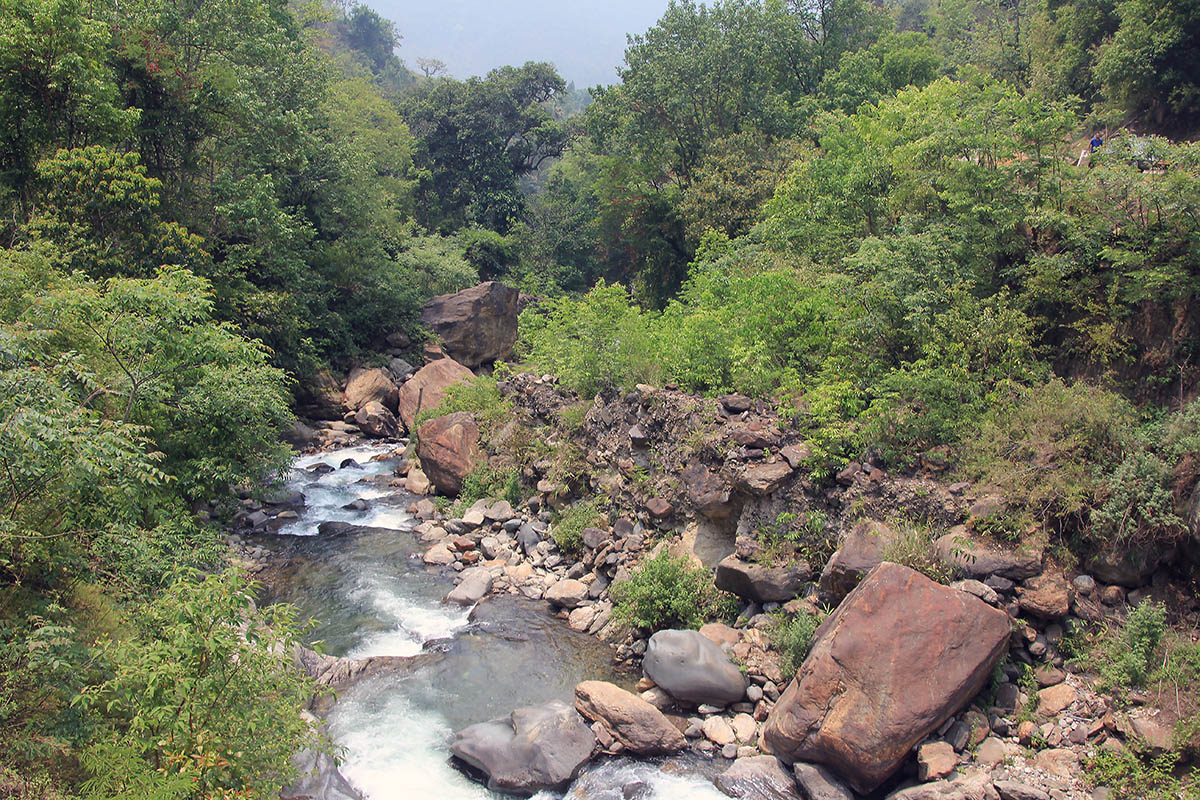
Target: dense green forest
{"points": [[873, 215]]}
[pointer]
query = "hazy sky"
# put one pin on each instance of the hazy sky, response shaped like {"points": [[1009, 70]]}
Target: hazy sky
{"points": [[585, 40]]}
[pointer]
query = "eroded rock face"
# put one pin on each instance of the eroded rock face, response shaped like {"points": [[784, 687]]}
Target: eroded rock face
{"points": [[367, 385], [427, 388], [535, 748], [760, 583], [707, 492], [319, 779], [640, 727], [763, 479], [449, 450], [899, 656], [477, 325], [692, 668]]}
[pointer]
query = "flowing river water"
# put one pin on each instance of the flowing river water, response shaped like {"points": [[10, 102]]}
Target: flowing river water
{"points": [[371, 595]]}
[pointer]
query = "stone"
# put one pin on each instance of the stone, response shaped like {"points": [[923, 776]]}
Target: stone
{"points": [[1053, 700], [1012, 790], [1084, 584], [990, 752], [1059, 762], [1047, 596], [707, 492], [449, 450], [567, 593], [796, 454], [735, 403], [594, 538], [718, 731], [761, 583], [536, 748], [1124, 567], [1048, 675], [659, 507], [377, 421], [581, 618], [763, 479], [475, 585], [758, 778], [898, 657], [977, 560], [977, 786], [720, 633], [692, 668], [1158, 738], [935, 760], [427, 388], [370, 385], [981, 590], [318, 779], [1112, 596], [640, 727], [818, 783], [861, 550], [744, 727], [439, 555], [477, 325], [417, 482]]}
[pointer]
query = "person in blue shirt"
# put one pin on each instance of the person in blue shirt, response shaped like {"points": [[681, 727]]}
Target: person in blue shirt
{"points": [[1096, 141]]}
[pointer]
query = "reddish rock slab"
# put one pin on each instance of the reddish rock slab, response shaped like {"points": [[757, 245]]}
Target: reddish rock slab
{"points": [[639, 726], [763, 479], [449, 450], [427, 388], [899, 656]]}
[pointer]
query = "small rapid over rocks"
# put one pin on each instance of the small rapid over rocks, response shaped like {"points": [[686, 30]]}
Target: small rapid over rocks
{"points": [[370, 594]]}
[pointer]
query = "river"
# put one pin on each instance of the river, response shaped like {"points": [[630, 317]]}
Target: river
{"points": [[370, 594]]}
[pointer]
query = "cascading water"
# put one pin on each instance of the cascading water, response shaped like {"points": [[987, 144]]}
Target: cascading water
{"points": [[372, 596]]}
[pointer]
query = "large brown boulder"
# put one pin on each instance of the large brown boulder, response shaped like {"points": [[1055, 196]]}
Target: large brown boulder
{"points": [[449, 450], [639, 726], [708, 493], [427, 388], [899, 656], [370, 385], [477, 325]]}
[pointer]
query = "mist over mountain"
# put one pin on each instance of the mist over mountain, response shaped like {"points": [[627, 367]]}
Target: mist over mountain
{"points": [[584, 40]]}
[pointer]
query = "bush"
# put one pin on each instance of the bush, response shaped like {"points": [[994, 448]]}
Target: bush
{"points": [[204, 693], [600, 340], [792, 637], [668, 592], [913, 547], [568, 528]]}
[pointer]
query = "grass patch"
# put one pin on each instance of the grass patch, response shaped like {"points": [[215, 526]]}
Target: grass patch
{"points": [[793, 637], [913, 547]]}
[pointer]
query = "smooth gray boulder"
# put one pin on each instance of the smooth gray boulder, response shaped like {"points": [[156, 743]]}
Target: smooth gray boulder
{"points": [[692, 668], [760, 583], [475, 585], [536, 748], [758, 778]]}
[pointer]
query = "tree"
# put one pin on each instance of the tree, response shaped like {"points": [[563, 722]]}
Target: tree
{"points": [[476, 138]]}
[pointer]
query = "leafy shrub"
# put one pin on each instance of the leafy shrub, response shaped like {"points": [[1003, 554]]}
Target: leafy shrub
{"points": [[1047, 447], [1132, 774], [480, 397], [204, 691], [668, 592], [600, 340], [792, 637], [485, 481], [568, 528]]}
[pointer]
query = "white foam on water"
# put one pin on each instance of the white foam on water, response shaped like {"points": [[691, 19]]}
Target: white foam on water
{"points": [[360, 453], [395, 751], [416, 622]]}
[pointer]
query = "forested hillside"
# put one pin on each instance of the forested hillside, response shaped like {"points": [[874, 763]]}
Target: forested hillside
{"points": [[875, 216]]}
